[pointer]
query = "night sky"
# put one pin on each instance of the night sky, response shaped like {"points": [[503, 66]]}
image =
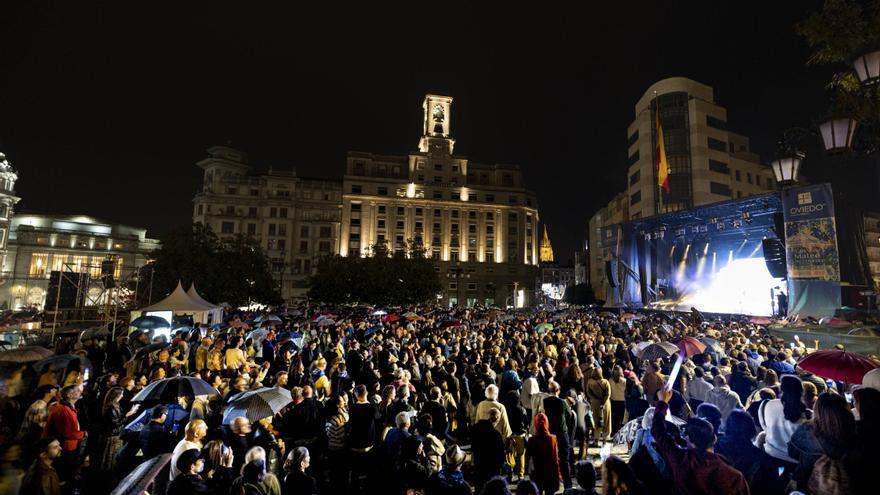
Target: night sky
{"points": [[106, 106]]}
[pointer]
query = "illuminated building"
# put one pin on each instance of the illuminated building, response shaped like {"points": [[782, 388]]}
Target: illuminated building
{"points": [[41, 243], [295, 219], [8, 199], [707, 162], [872, 241], [472, 218], [546, 248]]}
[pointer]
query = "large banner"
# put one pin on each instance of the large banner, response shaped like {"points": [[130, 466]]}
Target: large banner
{"points": [[609, 244], [811, 251]]}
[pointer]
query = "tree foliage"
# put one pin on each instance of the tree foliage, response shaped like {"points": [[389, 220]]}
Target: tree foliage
{"points": [[236, 272], [382, 278], [839, 33], [581, 294]]}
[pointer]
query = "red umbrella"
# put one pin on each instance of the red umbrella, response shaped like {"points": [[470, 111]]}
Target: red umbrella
{"points": [[690, 346], [842, 366], [392, 318]]}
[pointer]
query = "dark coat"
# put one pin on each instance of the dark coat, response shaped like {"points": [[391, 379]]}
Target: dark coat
{"points": [[487, 447], [188, 484], [155, 440], [299, 483]]}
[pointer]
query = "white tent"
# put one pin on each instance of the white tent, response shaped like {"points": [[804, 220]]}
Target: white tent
{"points": [[181, 303]]}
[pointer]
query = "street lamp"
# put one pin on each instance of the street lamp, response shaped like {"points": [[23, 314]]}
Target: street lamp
{"points": [[837, 134], [867, 68], [787, 168], [458, 274]]}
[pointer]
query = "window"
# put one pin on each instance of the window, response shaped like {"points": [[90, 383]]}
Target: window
{"points": [[382, 191], [738, 177], [324, 232], [303, 246], [282, 229], [252, 212], [252, 229], [490, 216], [506, 179], [419, 212], [355, 207], [438, 179], [438, 195], [632, 138], [304, 231], [419, 226], [472, 214], [512, 200], [399, 225], [356, 189], [436, 226], [635, 177], [633, 158], [719, 167], [749, 177], [39, 263], [282, 212], [438, 166], [400, 211], [58, 261], [273, 212], [271, 229], [455, 168], [720, 189], [757, 179], [227, 227], [231, 190], [80, 263], [282, 244], [454, 213], [381, 209], [715, 122], [380, 224], [490, 198], [254, 192], [490, 229], [635, 198], [472, 229], [717, 145], [324, 246], [200, 209]]}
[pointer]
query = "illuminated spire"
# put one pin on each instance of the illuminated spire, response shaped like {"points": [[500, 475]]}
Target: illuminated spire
{"points": [[546, 248]]}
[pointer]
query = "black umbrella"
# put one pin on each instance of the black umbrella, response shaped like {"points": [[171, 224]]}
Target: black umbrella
{"points": [[61, 362], [168, 390], [95, 332], [257, 404], [152, 348], [654, 351], [25, 354], [149, 323], [138, 481]]}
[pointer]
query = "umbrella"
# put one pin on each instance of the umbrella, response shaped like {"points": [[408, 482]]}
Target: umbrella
{"points": [[61, 362], [258, 335], [409, 314], [149, 323], [505, 317], [175, 414], [326, 322], [392, 318], [842, 366], [379, 312], [627, 316], [627, 433], [25, 354], [654, 351], [544, 327], [295, 312], [760, 320], [95, 332], [152, 348], [415, 318], [137, 481], [257, 404], [690, 346], [712, 346], [168, 390], [450, 323], [269, 319]]}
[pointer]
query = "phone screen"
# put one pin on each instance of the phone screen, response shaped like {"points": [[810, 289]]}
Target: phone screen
{"points": [[86, 375]]}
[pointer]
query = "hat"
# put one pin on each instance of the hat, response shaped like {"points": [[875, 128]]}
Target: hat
{"points": [[187, 458], [454, 456]]}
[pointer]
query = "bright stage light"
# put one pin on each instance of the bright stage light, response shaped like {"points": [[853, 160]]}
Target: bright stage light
{"points": [[755, 251], [743, 286], [679, 273]]}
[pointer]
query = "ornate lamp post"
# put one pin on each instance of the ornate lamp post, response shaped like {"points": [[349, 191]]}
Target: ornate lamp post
{"points": [[867, 68]]}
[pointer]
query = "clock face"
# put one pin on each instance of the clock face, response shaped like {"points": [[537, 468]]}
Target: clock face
{"points": [[438, 113]]}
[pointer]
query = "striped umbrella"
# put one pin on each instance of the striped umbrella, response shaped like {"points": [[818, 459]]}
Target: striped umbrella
{"points": [[168, 390], [652, 351], [256, 404], [137, 481]]}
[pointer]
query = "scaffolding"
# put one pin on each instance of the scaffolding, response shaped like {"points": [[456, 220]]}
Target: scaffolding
{"points": [[103, 291]]}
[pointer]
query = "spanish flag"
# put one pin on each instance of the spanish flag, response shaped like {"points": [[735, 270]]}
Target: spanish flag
{"points": [[662, 164]]}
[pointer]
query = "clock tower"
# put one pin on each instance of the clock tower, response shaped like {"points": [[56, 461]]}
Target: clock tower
{"points": [[436, 126]]}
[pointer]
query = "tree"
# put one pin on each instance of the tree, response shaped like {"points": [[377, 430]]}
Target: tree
{"points": [[383, 277], [581, 294], [842, 31], [237, 272]]}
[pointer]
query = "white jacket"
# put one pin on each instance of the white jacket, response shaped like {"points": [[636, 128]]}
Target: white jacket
{"points": [[726, 400], [698, 389], [778, 430]]}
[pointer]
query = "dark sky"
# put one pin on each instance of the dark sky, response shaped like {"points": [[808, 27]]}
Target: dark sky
{"points": [[106, 106]]}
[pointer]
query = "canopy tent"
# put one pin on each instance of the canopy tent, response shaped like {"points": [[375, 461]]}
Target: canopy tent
{"points": [[182, 303]]}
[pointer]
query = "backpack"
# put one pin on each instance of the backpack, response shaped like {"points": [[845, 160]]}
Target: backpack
{"points": [[829, 477]]}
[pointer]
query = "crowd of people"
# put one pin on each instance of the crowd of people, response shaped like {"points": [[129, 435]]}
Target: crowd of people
{"points": [[443, 401]]}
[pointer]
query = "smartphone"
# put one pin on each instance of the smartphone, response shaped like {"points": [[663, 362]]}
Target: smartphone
{"points": [[86, 375], [849, 397], [780, 471]]}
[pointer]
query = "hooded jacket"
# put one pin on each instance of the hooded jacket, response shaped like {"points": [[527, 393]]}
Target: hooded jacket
{"points": [[543, 451]]}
